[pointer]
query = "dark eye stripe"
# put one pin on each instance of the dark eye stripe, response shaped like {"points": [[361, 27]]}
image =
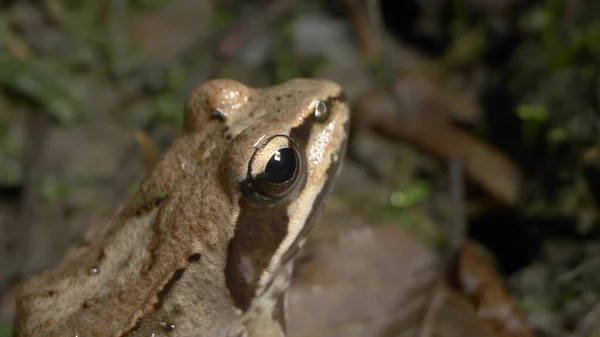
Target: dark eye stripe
{"points": [[259, 233]]}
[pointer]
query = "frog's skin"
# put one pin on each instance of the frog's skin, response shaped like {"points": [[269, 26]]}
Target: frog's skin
{"points": [[205, 246]]}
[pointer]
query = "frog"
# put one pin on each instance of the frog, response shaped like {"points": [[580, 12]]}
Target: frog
{"points": [[206, 245]]}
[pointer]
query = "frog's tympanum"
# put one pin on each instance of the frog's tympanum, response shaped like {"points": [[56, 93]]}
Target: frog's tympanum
{"points": [[205, 246]]}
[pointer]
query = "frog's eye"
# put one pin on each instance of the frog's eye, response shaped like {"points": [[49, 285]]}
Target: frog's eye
{"points": [[275, 169]]}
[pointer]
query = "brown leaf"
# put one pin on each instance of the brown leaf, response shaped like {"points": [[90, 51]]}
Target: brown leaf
{"points": [[376, 282], [419, 120], [482, 283]]}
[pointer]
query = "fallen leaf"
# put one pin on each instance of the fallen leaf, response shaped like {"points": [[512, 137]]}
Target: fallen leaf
{"points": [[414, 120], [485, 287], [375, 281]]}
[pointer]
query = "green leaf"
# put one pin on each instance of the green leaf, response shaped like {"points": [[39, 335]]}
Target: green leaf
{"points": [[532, 112], [557, 135], [411, 196]]}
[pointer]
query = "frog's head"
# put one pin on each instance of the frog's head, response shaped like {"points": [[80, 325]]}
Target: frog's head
{"points": [[285, 147]]}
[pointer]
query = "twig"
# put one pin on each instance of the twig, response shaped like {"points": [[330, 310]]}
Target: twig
{"points": [[20, 232], [37, 131], [433, 308], [456, 237], [459, 225]]}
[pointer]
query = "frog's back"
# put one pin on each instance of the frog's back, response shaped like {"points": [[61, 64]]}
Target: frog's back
{"points": [[105, 288]]}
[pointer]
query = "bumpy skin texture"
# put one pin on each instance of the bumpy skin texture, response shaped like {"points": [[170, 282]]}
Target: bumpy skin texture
{"points": [[191, 254]]}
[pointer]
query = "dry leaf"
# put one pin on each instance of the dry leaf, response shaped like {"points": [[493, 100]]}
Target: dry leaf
{"points": [[482, 283], [378, 282], [418, 119]]}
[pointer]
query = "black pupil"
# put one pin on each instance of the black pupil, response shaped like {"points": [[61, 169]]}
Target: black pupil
{"points": [[281, 167]]}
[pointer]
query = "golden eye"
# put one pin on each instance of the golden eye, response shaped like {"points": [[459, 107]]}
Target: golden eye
{"points": [[275, 170]]}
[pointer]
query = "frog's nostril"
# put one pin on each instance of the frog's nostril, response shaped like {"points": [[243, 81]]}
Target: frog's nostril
{"points": [[218, 114]]}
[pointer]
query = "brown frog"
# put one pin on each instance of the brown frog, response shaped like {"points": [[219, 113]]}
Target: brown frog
{"points": [[205, 246]]}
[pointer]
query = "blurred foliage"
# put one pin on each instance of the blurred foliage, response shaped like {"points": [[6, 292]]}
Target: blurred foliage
{"points": [[413, 218], [10, 157], [546, 55], [284, 63], [167, 85], [6, 329], [53, 188], [552, 73], [147, 4], [46, 84], [54, 79], [4, 30], [419, 192], [555, 75], [408, 209]]}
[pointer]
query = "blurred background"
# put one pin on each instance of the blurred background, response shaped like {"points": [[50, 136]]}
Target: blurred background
{"points": [[467, 206]]}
